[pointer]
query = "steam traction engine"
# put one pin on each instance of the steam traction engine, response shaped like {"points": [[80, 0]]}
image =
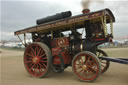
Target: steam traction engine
{"points": [[54, 49]]}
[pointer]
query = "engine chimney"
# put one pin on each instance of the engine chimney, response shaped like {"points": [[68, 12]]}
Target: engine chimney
{"points": [[85, 11]]}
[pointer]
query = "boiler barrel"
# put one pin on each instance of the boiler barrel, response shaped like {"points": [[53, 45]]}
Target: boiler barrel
{"points": [[58, 16]]}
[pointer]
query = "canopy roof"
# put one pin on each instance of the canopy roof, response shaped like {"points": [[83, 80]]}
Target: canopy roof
{"points": [[68, 23]]}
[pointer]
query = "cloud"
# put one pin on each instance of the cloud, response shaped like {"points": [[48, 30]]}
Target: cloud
{"points": [[16, 15], [20, 14]]}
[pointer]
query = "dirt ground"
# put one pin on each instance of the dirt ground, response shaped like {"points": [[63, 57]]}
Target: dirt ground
{"points": [[12, 71]]}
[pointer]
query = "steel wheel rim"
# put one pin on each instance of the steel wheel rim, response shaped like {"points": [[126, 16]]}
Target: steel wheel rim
{"points": [[35, 60], [86, 71]]}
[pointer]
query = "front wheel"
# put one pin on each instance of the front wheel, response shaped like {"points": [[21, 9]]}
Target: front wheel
{"points": [[37, 58], [86, 66]]}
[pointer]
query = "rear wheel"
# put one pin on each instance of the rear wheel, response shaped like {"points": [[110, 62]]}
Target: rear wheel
{"points": [[86, 66], [37, 58], [104, 63]]}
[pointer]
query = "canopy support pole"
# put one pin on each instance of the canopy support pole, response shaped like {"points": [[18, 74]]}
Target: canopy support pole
{"points": [[111, 26], [103, 19], [25, 39], [51, 34], [21, 40]]}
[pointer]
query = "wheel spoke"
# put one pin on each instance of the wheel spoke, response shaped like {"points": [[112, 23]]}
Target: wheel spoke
{"points": [[98, 54], [30, 55], [82, 62], [78, 67], [95, 66], [42, 61], [80, 71], [86, 73], [40, 65], [101, 55], [87, 60], [44, 58], [92, 69], [42, 55], [39, 71], [104, 62], [44, 65], [30, 58], [38, 68], [102, 65], [36, 50], [42, 52], [39, 52], [92, 61], [77, 64], [32, 66], [28, 61], [32, 51]]}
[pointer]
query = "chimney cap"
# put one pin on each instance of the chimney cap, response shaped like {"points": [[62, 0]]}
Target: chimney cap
{"points": [[85, 11]]}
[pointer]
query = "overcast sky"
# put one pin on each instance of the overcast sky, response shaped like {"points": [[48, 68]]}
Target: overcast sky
{"points": [[20, 14]]}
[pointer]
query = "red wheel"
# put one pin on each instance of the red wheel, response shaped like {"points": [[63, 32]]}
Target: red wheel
{"points": [[104, 63], [86, 66], [37, 58]]}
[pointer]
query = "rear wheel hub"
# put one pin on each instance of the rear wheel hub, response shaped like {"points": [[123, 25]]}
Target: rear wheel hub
{"points": [[36, 60]]}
